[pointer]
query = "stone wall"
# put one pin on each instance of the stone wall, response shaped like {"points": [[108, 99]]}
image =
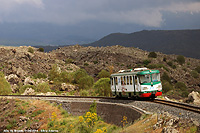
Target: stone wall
{"points": [[110, 113]]}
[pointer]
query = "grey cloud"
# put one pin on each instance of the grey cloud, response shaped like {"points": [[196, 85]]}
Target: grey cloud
{"points": [[141, 12]]}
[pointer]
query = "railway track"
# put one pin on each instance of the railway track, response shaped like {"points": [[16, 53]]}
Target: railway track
{"points": [[184, 106]]}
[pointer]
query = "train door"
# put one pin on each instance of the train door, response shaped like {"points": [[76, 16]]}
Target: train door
{"points": [[136, 82]]}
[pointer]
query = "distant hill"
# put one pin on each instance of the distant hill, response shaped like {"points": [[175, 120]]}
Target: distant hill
{"points": [[179, 42]]}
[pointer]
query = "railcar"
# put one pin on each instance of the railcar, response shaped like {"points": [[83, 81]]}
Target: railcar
{"points": [[140, 82]]}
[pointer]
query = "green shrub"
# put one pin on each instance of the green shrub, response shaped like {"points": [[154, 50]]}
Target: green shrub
{"points": [[43, 87], [39, 75], [181, 59], [21, 111], [84, 93], [182, 89], [102, 87], [30, 50], [41, 49], [152, 66], [95, 62], [146, 62], [194, 74], [85, 82], [197, 69], [152, 55], [4, 85], [54, 73], [170, 63], [68, 61], [103, 74], [166, 77], [86, 64], [79, 74], [166, 86], [93, 107]]}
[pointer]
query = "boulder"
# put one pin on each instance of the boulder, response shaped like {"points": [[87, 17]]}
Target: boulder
{"points": [[67, 87], [14, 88], [194, 97], [12, 79], [29, 91], [21, 72], [29, 81]]}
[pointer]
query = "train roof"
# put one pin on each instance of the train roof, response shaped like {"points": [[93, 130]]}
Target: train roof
{"points": [[131, 72]]}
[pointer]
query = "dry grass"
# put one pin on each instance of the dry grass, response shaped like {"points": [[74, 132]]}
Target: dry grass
{"points": [[45, 117]]}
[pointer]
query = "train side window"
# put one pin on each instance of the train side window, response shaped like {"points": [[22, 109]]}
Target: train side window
{"points": [[127, 80], [124, 80], [111, 80], [116, 82], [131, 80], [135, 79]]}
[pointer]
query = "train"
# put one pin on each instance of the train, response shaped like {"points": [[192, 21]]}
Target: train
{"points": [[136, 83]]}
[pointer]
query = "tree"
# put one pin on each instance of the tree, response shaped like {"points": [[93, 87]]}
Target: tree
{"points": [[181, 59], [152, 55], [54, 72], [79, 74], [103, 74], [102, 87], [4, 85], [85, 82]]}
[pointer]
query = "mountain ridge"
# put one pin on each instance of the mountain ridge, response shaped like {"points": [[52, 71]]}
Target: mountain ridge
{"points": [[179, 42]]}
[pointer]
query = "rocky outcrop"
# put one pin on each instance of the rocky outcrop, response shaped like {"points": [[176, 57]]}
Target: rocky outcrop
{"points": [[12, 79], [194, 97], [29, 91], [67, 87]]}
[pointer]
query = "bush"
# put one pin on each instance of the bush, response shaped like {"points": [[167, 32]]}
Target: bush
{"points": [[103, 74], [43, 87], [194, 74], [102, 87], [68, 61], [41, 49], [39, 75], [4, 85], [197, 69], [166, 86], [166, 77], [84, 93], [146, 62], [54, 73], [79, 74], [181, 59], [152, 55], [30, 50], [85, 82], [182, 89], [152, 66]]}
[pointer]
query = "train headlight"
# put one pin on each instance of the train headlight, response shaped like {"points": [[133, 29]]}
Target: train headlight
{"points": [[145, 88], [159, 88]]}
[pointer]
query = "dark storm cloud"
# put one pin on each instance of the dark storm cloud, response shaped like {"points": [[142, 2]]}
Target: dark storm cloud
{"points": [[71, 12]]}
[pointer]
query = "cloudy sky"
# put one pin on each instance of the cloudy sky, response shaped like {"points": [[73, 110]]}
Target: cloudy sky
{"points": [[97, 18]]}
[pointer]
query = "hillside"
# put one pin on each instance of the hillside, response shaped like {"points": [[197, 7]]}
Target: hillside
{"points": [[179, 42], [56, 71], [114, 58]]}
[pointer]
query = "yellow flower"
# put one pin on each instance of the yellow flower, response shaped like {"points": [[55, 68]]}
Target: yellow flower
{"points": [[80, 118]]}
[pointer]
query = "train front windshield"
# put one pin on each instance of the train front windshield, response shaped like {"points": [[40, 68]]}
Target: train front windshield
{"points": [[156, 77], [145, 78]]}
